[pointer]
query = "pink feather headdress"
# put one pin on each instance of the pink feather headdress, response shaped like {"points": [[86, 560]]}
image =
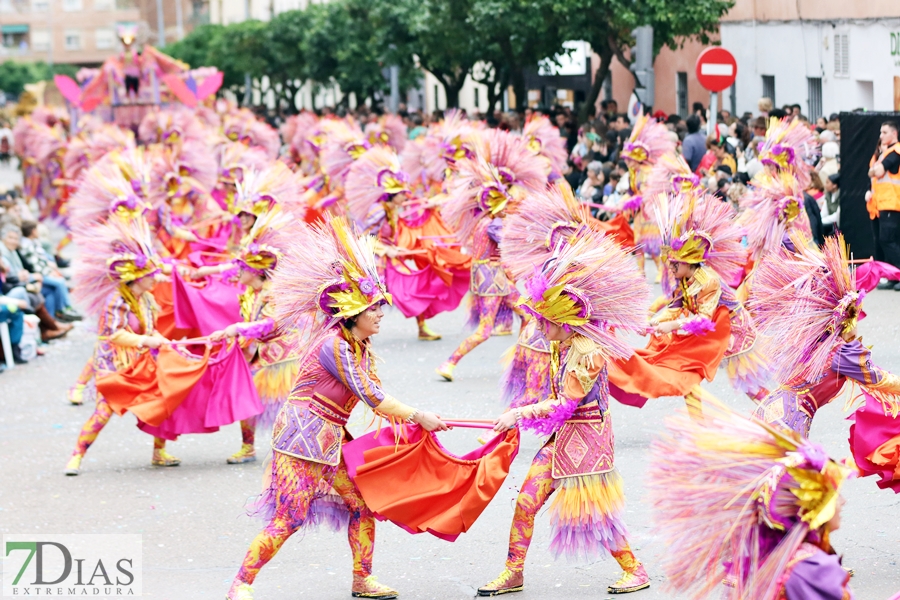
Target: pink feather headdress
{"points": [[790, 146], [186, 173], [328, 273], [342, 146], [388, 130], [316, 138], [235, 159], [544, 139], [260, 191], [267, 240], [503, 170], [670, 175], [171, 127], [733, 498], [116, 184], [699, 228], [90, 146], [803, 302], [295, 130], [113, 253], [375, 177], [422, 159], [542, 221], [243, 126], [770, 209], [590, 284], [648, 142]]}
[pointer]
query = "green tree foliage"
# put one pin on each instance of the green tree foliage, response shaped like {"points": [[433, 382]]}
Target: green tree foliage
{"points": [[15, 75], [607, 26]]}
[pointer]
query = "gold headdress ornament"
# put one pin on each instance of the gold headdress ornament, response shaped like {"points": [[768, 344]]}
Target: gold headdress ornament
{"points": [[259, 252], [356, 285]]}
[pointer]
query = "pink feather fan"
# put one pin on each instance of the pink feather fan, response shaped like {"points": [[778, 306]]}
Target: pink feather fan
{"points": [[374, 178], [118, 181], [770, 209], [389, 130], [790, 146], [261, 190]]}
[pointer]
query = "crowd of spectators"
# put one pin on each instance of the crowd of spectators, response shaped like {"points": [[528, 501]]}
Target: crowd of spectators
{"points": [[34, 282]]}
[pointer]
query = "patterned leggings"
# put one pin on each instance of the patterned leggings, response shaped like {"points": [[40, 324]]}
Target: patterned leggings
{"points": [[488, 307], [535, 491], [297, 483], [95, 423]]}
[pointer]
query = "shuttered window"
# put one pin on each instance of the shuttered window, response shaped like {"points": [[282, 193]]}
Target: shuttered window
{"points": [[841, 55]]}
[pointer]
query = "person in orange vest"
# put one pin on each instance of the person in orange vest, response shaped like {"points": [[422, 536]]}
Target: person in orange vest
{"points": [[883, 202]]}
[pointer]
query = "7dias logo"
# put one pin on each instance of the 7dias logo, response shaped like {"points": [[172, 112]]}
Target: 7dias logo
{"points": [[100, 566]]}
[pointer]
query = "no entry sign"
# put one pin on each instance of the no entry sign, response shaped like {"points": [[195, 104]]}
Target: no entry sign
{"points": [[716, 69]]}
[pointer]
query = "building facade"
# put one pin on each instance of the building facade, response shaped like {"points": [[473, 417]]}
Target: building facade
{"points": [[63, 31], [824, 55]]}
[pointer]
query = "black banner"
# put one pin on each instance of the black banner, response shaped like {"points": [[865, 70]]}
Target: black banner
{"points": [[859, 140]]}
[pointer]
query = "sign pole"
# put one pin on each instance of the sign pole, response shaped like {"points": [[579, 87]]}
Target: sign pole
{"points": [[713, 111]]}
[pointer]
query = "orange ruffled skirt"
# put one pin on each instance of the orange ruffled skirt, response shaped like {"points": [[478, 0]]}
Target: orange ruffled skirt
{"points": [[671, 364]]}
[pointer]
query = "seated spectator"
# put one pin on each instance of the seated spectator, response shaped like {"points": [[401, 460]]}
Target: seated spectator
{"points": [[816, 188], [720, 151], [12, 313], [56, 295], [36, 259], [830, 207], [591, 190], [764, 105], [15, 285], [829, 164]]}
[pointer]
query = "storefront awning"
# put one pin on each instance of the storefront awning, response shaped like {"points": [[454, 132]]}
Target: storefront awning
{"points": [[13, 28]]}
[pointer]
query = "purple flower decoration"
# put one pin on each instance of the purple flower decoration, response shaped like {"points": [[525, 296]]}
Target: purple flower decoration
{"points": [[633, 204], [253, 248], [140, 261], [136, 186], [677, 244], [367, 286], [536, 285]]}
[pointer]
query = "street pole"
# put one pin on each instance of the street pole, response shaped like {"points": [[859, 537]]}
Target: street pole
{"points": [[160, 24], [247, 92], [713, 110], [179, 19], [395, 88]]}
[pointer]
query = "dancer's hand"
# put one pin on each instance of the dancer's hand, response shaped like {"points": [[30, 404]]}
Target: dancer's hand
{"points": [[216, 336], [667, 327], [430, 421], [152, 341], [505, 422]]}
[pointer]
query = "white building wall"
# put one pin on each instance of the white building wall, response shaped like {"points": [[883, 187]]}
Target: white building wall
{"points": [[792, 51]]}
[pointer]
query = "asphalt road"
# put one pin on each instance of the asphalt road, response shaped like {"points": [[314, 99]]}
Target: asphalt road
{"points": [[192, 517], [195, 533]]}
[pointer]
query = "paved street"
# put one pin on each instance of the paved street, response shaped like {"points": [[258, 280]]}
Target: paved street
{"points": [[195, 533]]}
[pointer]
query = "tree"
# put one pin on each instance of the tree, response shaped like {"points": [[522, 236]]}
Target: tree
{"points": [[607, 25], [15, 75], [439, 34], [239, 49], [515, 35], [283, 61], [194, 48]]}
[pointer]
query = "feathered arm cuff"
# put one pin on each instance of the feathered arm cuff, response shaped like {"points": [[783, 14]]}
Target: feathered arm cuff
{"points": [[391, 407], [256, 329]]}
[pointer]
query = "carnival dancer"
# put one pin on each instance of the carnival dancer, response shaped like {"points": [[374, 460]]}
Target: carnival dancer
{"points": [[328, 286], [543, 221], [699, 323], [113, 280], [483, 189], [648, 142], [424, 275], [583, 292], [808, 305], [749, 505], [270, 350]]}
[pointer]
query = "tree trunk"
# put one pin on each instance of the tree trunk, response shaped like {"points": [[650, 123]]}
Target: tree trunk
{"points": [[517, 76], [605, 52], [452, 87]]}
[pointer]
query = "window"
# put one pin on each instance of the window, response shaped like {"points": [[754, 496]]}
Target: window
{"points": [[72, 39], [476, 98], [6, 6], [768, 84], [72, 5], [681, 94], [814, 85], [437, 99], [103, 4], [40, 5], [40, 40], [125, 4], [104, 39], [841, 55]]}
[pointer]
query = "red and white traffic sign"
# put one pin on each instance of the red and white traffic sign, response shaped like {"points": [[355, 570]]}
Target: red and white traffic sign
{"points": [[716, 69]]}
